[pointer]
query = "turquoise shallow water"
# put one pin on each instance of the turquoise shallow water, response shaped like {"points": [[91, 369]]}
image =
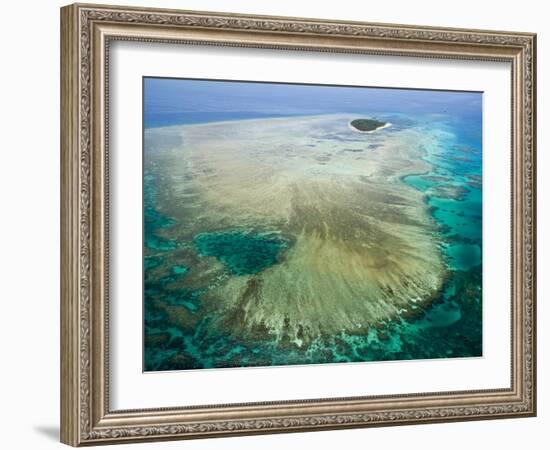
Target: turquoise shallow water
{"points": [[243, 252], [450, 327]]}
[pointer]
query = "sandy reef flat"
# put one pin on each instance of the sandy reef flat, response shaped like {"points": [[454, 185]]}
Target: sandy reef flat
{"points": [[361, 247]]}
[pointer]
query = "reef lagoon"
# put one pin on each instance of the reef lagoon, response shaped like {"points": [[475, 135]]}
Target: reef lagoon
{"points": [[286, 237]]}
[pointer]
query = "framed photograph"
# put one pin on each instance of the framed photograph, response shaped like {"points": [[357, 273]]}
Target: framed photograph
{"points": [[276, 224]]}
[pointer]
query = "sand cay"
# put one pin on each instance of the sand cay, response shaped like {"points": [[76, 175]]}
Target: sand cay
{"points": [[359, 243]]}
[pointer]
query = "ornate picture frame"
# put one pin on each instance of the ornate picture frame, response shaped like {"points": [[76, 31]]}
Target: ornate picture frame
{"points": [[87, 31]]}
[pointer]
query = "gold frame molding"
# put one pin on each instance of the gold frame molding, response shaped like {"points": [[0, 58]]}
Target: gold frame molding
{"points": [[86, 32]]}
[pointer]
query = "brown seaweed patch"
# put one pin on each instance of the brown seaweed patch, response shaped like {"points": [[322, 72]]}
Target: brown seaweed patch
{"points": [[474, 181], [322, 158], [156, 339], [436, 178], [449, 192], [178, 316], [464, 149]]}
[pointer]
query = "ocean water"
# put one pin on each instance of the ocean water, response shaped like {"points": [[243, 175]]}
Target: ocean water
{"points": [[450, 326], [243, 252]]}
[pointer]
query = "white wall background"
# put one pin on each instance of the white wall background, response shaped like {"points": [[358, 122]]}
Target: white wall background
{"points": [[29, 224]]}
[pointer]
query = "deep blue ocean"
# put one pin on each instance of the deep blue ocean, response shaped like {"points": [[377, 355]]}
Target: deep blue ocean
{"points": [[175, 102], [450, 327]]}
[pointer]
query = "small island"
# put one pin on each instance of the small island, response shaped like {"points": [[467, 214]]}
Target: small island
{"points": [[367, 125]]}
